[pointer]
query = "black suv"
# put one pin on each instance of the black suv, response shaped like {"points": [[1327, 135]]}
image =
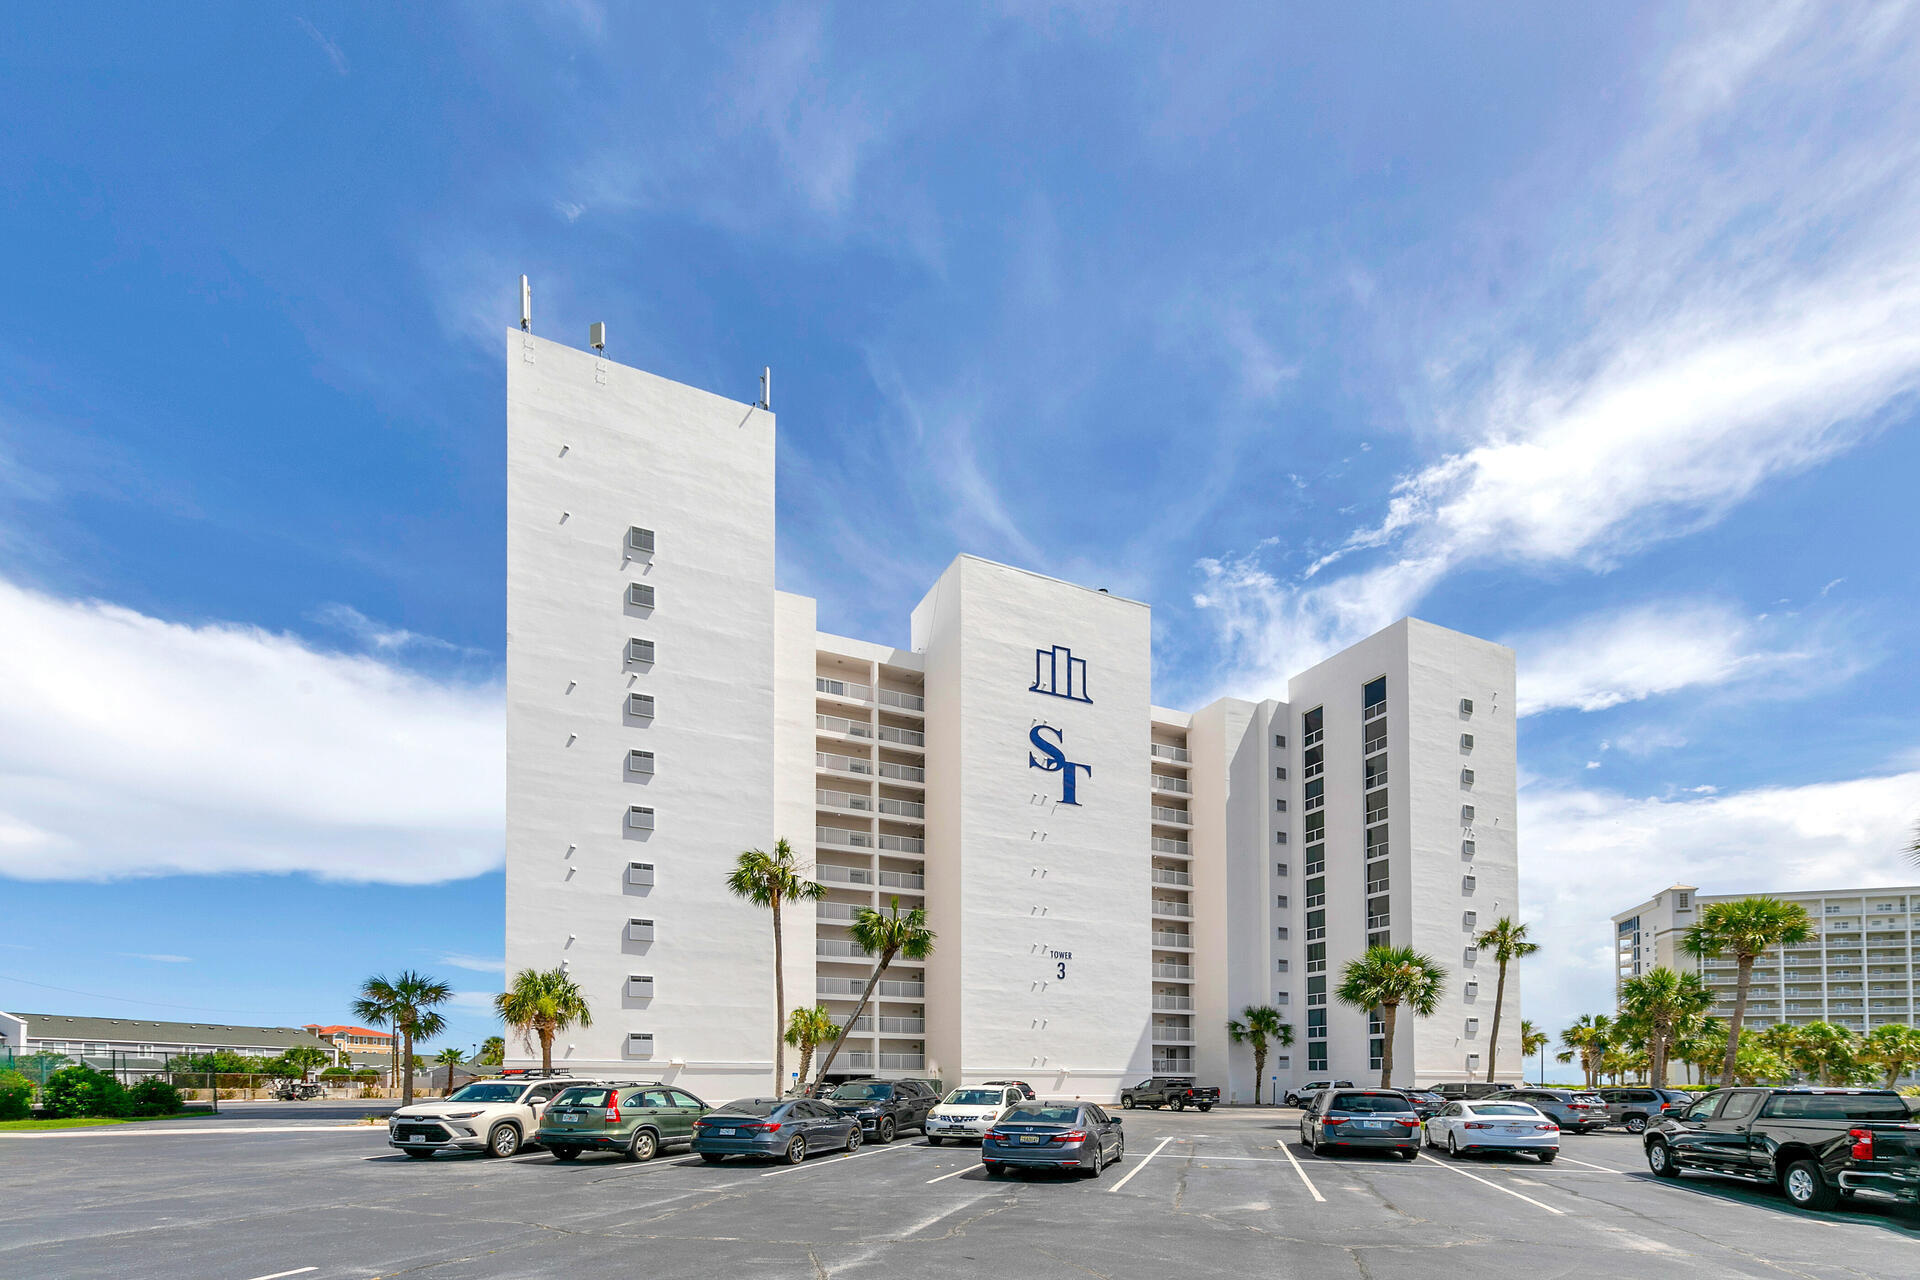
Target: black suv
{"points": [[884, 1107]]}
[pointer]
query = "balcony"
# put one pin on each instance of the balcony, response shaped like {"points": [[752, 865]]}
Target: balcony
{"points": [[831, 874], [903, 772], [1177, 817], [841, 838], [903, 1062], [1161, 751], [840, 763], [903, 990], [1163, 876], [835, 947], [846, 800], [902, 880], [1180, 941], [839, 986], [903, 1026], [1173, 1004], [843, 726], [1172, 1067], [1176, 972], [843, 689], [903, 844], [903, 737], [841, 911], [861, 1025], [904, 701], [858, 1060], [1168, 907], [1167, 782], [903, 809], [1172, 1035], [1175, 848]]}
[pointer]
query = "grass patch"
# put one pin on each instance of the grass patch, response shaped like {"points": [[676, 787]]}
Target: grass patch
{"points": [[88, 1122]]}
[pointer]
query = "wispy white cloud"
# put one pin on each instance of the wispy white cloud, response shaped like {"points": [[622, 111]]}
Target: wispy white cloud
{"points": [[1745, 304], [378, 636], [328, 47], [473, 1001], [134, 746], [156, 958], [480, 964], [1591, 852]]}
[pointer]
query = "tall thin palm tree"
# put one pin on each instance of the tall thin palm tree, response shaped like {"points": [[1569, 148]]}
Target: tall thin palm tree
{"points": [[1508, 942], [1256, 1025], [770, 880], [541, 1003], [1532, 1041], [884, 936], [1746, 927], [807, 1030], [1587, 1039], [1660, 1006], [1385, 978], [405, 1003], [493, 1051]]}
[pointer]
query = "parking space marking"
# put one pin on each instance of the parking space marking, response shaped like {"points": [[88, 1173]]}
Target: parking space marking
{"points": [[1144, 1161], [1292, 1160], [861, 1155], [1601, 1167], [965, 1168], [1508, 1191], [298, 1271]]}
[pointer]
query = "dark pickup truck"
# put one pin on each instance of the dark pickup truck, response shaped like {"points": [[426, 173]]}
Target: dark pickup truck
{"points": [[1168, 1091], [1817, 1144]]}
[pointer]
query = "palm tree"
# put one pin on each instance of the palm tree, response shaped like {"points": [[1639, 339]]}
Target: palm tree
{"points": [[540, 1004], [1663, 1005], [883, 935], [1385, 978], [450, 1057], [807, 1029], [1895, 1050], [407, 1005], [1508, 941], [1257, 1024], [1532, 1041], [1827, 1052], [1746, 927], [493, 1051], [768, 880], [1588, 1039]]}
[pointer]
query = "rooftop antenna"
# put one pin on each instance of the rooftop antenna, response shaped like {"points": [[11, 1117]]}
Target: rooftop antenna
{"points": [[766, 388], [597, 335], [526, 305]]}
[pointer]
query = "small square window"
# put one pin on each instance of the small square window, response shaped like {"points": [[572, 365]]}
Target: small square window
{"points": [[1280, 740], [640, 986], [1280, 901], [1466, 742], [1279, 773], [639, 1044], [1466, 706], [1280, 869], [639, 762], [640, 540], [640, 817], [1283, 998], [640, 873], [1281, 965], [1466, 777], [1466, 813], [640, 595], [639, 650], [1280, 932], [640, 704], [1279, 837]]}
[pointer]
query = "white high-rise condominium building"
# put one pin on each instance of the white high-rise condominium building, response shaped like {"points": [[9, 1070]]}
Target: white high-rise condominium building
{"points": [[1110, 881], [1858, 972]]}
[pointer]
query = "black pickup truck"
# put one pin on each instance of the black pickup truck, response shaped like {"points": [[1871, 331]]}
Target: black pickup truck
{"points": [[1169, 1091], [1817, 1144]]}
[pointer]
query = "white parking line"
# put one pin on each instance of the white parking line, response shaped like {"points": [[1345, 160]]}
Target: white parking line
{"points": [[1601, 1167], [148, 1130], [1509, 1191], [965, 1168], [1311, 1189], [278, 1274], [1144, 1160], [870, 1151]]}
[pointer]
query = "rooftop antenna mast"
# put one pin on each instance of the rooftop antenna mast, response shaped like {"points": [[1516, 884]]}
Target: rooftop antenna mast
{"points": [[526, 305], [766, 388]]}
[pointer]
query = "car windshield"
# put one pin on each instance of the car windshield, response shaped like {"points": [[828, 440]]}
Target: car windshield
{"points": [[1044, 1115], [863, 1093], [1369, 1102], [974, 1098], [1837, 1106], [1502, 1109], [749, 1107], [595, 1097], [487, 1093]]}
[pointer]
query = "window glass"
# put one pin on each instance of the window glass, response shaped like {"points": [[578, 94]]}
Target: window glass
{"points": [[655, 1098], [1370, 1102], [1702, 1110], [1040, 1113], [1503, 1109], [750, 1106], [1740, 1106], [1836, 1106], [869, 1092], [979, 1097], [486, 1093], [685, 1099]]}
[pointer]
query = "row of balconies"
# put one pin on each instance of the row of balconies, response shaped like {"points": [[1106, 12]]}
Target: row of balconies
{"points": [[859, 1060], [847, 691], [844, 727], [842, 838], [888, 989], [888, 1026], [855, 802], [833, 874], [911, 774]]}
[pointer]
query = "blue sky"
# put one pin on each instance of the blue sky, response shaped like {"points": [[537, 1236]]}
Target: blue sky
{"points": [[1597, 333]]}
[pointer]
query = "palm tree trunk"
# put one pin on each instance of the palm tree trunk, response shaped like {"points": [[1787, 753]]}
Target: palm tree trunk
{"points": [[1499, 999], [1387, 1015], [406, 1066], [1743, 974], [779, 1008], [1259, 1068], [806, 1059], [826, 1063], [546, 1049], [1657, 1057]]}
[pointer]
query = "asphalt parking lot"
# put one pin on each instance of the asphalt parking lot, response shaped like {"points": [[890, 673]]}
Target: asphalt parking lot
{"points": [[300, 1191]]}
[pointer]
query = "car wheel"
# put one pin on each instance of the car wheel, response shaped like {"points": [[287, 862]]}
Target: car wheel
{"points": [[1547, 1157], [420, 1155], [565, 1153], [642, 1147], [884, 1134], [1179, 1104], [854, 1138], [1206, 1106], [1635, 1124], [933, 1141], [1806, 1186], [796, 1151], [1409, 1154], [1660, 1160], [1453, 1147], [712, 1157], [503, 1141], [1126, 1104], [995, 1171]]}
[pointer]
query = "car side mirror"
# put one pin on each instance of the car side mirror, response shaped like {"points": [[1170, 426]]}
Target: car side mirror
{"points": [[1115, 1119]]}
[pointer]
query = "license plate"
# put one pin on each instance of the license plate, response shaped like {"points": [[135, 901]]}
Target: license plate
{"points": [[1030, 1137], [568, 1116], [417, 1137], [726, 1133], [1515, 1128], [1373, 1124]]}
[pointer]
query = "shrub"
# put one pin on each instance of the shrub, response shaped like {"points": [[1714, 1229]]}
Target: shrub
{"points": [[16, 1095], [82, 1091], [154, 1098]]}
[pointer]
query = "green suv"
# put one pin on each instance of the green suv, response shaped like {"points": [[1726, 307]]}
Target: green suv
{"points": [[634, 1120]]}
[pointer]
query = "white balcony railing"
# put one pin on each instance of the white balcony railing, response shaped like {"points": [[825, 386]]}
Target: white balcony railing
{"points": [[839, 986], [1179, 755], [903, 1062], [903, 1026], [903, 990], [903, 844], [1178, 848], [1180, 817], [824, 910], [1172, 1035], [862, 1023], [902, 880], [843, 838], [1163, 876], [842, 875], [1173, 1004], [843, 689], [835, 947], [1173, 940], [903, 808], [1168, 907], [902, 737], [842, 800], [842, 725], [902, 772], [840, 763], [1172, 1066], [905, 701], [1167, 782], [1177, 972]]}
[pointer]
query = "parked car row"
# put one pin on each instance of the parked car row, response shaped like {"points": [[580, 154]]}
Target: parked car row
{"points": [[1391, 1120]]}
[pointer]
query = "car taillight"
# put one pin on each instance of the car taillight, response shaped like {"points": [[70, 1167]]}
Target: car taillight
{"points": [[1548, 1127], [1074, 1135], [1476, 1124], [771, 1127], [993, 1135], [613, 1113], [1862, 1143]]}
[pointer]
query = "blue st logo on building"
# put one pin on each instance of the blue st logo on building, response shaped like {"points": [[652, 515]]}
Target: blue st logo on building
{"points": [[1057, 673], [1055, 760]]}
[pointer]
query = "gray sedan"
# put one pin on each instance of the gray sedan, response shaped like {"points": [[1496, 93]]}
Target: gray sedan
{"points": [[788, 1129], [1053, 1135], [1575, 1111]]}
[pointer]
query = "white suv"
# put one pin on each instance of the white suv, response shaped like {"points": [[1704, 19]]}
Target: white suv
{"points": [[495, 1116]]}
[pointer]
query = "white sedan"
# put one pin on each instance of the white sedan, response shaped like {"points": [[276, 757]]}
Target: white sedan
{"points": [[970, 1112], [1461, 1127]]}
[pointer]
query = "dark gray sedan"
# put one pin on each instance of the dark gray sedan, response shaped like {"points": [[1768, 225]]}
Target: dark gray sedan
{"points": [[789, 1129], [1053, 1135]]}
